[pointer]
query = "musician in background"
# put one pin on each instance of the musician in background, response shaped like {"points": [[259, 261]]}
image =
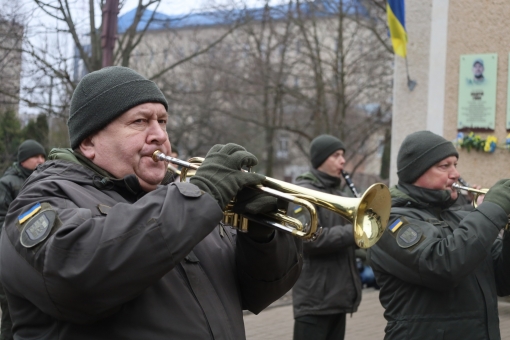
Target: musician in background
{"points": [[440, 270], [30, 155], [95, 248], [329, 286]]}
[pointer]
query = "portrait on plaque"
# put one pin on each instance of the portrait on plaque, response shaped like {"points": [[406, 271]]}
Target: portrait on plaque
{"points": [[477, 92]]}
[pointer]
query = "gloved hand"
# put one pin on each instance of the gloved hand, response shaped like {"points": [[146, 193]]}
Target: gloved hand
{"points": [[220, 174], [500, 194], [256, 202]]}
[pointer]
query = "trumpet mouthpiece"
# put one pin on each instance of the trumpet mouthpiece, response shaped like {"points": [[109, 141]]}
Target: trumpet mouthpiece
{"points": [[157, 156]]}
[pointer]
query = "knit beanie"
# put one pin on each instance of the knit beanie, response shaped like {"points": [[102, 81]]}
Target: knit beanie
{"points": [[30, 148], [322, 147], [419, 151], [103, 95]]}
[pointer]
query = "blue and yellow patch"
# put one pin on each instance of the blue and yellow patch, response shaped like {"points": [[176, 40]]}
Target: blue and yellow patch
{"points": [[31, 212], [298, 209], [409, 235], [395, 225], [38, 228]]}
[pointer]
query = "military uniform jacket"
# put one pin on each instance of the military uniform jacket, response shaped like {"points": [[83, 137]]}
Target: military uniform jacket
{"points": [[440, 270], [122, 264], [10, 185], [329, 282]]}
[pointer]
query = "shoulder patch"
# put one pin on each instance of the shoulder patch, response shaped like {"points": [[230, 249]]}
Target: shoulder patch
{"points": [[29, 213], [409, 235], [38, 228], [395, 225]]}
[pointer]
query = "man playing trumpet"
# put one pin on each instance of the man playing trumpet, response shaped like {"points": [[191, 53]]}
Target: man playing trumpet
{"points": [[441, 268], [95, 248]]}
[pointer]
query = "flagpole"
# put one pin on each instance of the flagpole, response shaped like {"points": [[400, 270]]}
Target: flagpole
{"points": [[395, 11], [411, 84]]}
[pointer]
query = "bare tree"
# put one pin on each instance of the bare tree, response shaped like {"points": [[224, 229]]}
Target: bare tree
{"points": [[57, 51], [270, 78], [295, 71], [11, 38]]}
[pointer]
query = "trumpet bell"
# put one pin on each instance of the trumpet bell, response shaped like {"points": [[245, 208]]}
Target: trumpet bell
{"points": [[368, 214], [372, 215]]}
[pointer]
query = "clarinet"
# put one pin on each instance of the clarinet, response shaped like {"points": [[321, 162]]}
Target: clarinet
{"points": [[350, 184]]}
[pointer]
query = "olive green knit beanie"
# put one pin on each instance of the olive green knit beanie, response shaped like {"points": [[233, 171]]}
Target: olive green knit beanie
{"points": [[322, 147], [30, 148], [419, 151], [103, 95]]}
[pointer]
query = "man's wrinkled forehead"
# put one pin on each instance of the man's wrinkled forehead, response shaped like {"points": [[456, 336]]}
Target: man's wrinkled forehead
{"points": [[449, 159], [146, 110]]}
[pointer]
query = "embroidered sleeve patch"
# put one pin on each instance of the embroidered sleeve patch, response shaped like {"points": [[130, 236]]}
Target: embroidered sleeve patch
{"points": [[395, 225], [31, 212], [409, 235], [38, 228]]}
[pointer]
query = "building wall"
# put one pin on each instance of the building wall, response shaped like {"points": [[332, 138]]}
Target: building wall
{"points": [[439, 32], [476, 27], [410, 107]]}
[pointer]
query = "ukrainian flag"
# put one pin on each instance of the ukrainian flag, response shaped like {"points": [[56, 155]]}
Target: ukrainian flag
{"points": [[395, 11]]}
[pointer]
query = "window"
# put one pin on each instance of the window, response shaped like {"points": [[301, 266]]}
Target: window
{"points": [[282, 151]]}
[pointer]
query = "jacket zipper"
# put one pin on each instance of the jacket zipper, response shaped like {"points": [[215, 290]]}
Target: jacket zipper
{"points": [[183, 274]]}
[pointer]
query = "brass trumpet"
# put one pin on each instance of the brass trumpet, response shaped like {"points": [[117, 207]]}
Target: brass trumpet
{"points": [[173, 169], [476, 192], [369, 214]]}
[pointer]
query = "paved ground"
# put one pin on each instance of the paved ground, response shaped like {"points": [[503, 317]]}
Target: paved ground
{"points": [[276, 322]]}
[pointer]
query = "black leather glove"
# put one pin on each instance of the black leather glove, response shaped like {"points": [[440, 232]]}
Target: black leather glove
{"points": [[500, 194], [255, 202], [220, 174]]}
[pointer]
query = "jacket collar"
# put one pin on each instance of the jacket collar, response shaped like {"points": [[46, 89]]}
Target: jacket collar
{"points": [[104, 180], [320, 179], [17, 170]]}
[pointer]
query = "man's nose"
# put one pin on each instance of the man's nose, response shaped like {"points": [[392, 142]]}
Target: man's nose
{"points": [[156, 133], [455, 174]]}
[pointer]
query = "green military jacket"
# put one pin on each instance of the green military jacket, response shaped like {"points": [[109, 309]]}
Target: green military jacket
{"points": [[101, 259], [441, 269], [10, 185], [329, 282]]}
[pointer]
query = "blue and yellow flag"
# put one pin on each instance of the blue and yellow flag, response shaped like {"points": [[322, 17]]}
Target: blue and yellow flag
{"points": [[395, 10]]}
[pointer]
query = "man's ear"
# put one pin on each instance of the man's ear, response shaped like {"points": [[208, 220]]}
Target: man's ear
{"points": [[87, 147]]}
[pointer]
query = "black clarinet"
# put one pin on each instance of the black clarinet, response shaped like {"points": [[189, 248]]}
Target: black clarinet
{"points": [[350, 184]]}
